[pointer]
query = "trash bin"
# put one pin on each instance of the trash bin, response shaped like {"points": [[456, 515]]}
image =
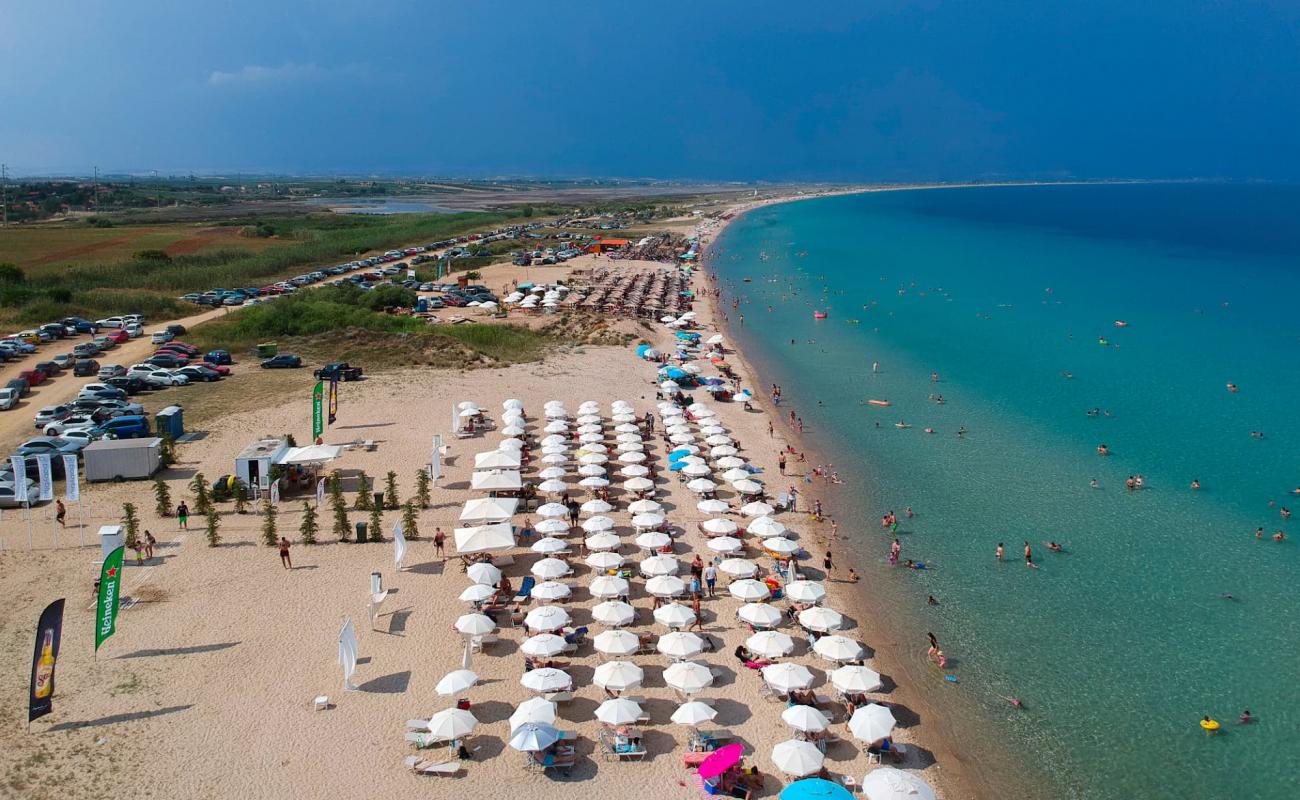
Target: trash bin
{"points": [[267, 349], [376, 583], [379, 499], [361, 532]]}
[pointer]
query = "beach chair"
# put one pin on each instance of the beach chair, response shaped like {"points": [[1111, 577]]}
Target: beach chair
{"points": [[478, 642], [417, 724], [849, 783], [321, 703], [421, 740], [422, 767], [525, 589]]}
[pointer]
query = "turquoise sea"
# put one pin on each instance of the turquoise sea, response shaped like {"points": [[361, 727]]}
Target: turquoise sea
{"points": [[1118, 646]]}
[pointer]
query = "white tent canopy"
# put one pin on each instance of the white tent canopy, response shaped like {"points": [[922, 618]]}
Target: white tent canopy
{"points": [[497, 459], [483, 510], [484, 538], [312, 454], [496, 481]]}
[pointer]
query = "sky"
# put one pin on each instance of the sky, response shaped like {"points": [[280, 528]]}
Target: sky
{"points": [[851, 91]]}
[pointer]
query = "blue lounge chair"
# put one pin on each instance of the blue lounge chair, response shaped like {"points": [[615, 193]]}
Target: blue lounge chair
{"points": [[526, 589]]}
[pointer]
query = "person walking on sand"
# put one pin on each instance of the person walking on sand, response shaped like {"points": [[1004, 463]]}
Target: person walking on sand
{"points": [[149, 542], [711, 578], [59, 513], [183, 516], [780, 463], [440, 542], [284, 553], [698, 624], [828, 564]]}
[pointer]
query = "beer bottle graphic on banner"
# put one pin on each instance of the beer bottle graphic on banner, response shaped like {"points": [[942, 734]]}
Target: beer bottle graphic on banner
{"points": [[45, 667]]}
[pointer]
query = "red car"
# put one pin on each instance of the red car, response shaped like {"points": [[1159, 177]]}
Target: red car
{"points": [[219, 368], [179, 347], [34, 377], [118, 335], [272, 290]]}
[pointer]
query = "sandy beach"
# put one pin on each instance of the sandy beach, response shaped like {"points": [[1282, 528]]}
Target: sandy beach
{"points": [[206, 689]]}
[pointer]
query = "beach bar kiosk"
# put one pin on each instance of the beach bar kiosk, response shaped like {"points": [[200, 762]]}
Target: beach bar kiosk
{"points": [[253, 466]]}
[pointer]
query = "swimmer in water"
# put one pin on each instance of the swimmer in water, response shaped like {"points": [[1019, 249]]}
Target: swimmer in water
{"points": [[1094, 483], [1055, 548], [1245, 718], [930, 601], [961, 431], [1226, 596], [1259, 532], [1103, 450], [1014, 701], [1279, 536], [1196, 484], [999, 551]]}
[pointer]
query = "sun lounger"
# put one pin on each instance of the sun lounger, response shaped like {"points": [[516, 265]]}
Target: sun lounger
{"points": [[478, 642], [422, 767], [417, 724], [525, 589], [421, 739], [559, 697]]}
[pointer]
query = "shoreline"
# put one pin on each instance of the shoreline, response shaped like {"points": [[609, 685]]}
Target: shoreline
{"points": [[953, 765]]}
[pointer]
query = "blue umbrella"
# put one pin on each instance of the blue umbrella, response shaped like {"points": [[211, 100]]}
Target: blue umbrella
{"points": [[676, 465], [640, 351], [673, 373], [687, 335], [678, 455], [815, 789]]}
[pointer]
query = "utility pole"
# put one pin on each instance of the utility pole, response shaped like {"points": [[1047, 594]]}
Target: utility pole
{"points": [[96, 188], [4, 193]]}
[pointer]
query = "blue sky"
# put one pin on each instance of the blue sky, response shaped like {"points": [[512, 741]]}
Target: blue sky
{"points": [[709, 89]]}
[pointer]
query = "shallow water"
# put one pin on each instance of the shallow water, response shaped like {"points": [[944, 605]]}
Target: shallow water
{"points": [[1119, 645]]}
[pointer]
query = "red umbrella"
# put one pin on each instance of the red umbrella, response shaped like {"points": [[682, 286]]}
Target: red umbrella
{"points": [[721, 760]]}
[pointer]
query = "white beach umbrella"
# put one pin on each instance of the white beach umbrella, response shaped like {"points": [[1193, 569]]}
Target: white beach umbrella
{"points": [[621, 418], [474, 624], [696, 471], [634, 470], [735, 474], [749, 590], [665, 586], [533, 737], [554, 439], [780, 545], [764, 527], [556, 426], [513, 430], [723, 450], [591, 471], [613, 613], [687, 461], [770, 644], [838, 648], [597, 524], [701, 485], [548, 568], [593, 458], [590, 438], [618, 676], [638, 484], [543, 645], [887, 783], [747, 486], [652, 540], [546, 618], [551, 526], [820, 618], [738, 567], [589, 429], [660, 565], [598, 448], [805, 591], [631, 447], [629, 438], [632, 457], [605, 560], [797, 758], [681, 438], [537, 710], [608, 586], [456, 682], [513, 402], [669, 386], [725, 545], [719, 526], [588, 419], [760, 615], [694, 714], [856, 679], [713, 429], [731, 462], [644, 507], [627, 427], [482, 572], [688, 677], [805, 719], [477, 593], [787, 676], [557, 413], [596, 507], [680, 427], [452, 723], [549, 404], [549, 545], [593, 483], [510, 445], [552, 473], [554, 458], [550, 591], [616, 643], [602, 541], [872, 722], [469, 412], [701, 412], [554, 449], [619, 711], [712, 506], [680, 645], [718, 440], [674, 615], [552, 486]]}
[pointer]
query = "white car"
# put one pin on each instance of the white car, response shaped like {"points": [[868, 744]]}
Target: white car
{"points": [[111, 322], [82, 435], [50, 414], [165, 377], [161, 337], [134, 329], [8, 399], [77, 422]]}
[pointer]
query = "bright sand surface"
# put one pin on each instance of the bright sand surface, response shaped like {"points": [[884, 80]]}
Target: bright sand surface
{"points": [[206, 689]]}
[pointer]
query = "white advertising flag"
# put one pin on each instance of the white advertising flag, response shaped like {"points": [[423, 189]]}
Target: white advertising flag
{"points": [[20, 478], [348, 654], [72, 488], [45, 478], [399, 545], [320, 492], [275, 493]]}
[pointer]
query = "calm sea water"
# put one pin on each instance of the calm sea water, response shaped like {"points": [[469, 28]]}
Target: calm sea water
{"points": [[1118, 646]]}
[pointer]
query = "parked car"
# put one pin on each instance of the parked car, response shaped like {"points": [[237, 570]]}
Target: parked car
{"points": [[85, 367], [127, 427], [109, 406], [81, 325], [101, 392], [64, 360], [104, 343], [56, 330], [19, 385], [53, 445], [338, 371], [129, 384], [166, 377], [176, 329], [161, 337], [133, 329], [85, 419], [50, 414], [120, 336], [111, 322], [199, 374], [181, 347], [111, 371], [167, 360], [8, 399], [34, 377], [282, 361], [50, 368], [86, 350], [220, 369]]}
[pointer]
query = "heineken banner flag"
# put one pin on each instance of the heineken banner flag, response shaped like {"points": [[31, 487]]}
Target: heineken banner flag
{"points": [[45, 477], [20, 478], [334, 400], [317, 418], [72, 484], [110, 581], [49, 632]]}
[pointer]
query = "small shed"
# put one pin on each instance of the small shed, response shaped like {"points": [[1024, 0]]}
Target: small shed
{"points": [[253, 465], [122, 459], [170, 422]]}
